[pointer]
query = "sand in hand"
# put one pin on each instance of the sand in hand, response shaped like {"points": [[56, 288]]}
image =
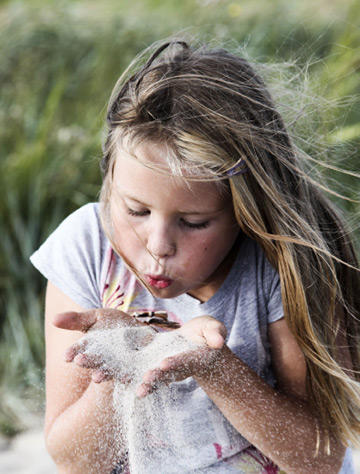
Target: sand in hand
{"points": [[149, 426]]}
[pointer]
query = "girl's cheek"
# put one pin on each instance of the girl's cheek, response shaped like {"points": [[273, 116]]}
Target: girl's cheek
{"points": [[123, 226], [196, 252]]}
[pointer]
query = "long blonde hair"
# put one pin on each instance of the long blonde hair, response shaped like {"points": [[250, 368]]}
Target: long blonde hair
{"points": [[214, 112]]}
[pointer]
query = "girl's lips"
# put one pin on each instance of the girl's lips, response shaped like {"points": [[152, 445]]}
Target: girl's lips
{"points": [[158, 281]]}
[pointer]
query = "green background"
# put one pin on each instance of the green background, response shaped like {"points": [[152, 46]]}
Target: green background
{"points": [[58, 64]]}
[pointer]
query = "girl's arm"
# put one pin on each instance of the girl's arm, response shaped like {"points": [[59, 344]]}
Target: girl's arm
{"points": [[79, 426], [278, 422]]}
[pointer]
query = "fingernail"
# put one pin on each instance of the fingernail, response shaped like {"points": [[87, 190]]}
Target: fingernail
{"points": [[68, 356], [165, 365], [142, 391], [80, 359], [98, 377]]}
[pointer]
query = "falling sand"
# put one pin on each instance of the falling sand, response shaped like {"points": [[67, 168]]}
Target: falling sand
{"points": [[150, 425], [155, 433]]}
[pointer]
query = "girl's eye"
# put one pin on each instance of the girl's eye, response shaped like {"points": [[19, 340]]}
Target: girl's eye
{"points": [[137, 213], [183, 222], [193, 225]]}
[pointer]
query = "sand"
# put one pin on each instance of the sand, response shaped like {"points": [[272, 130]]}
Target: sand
{"points": [[145, 421], [26, 454], [149, 424]]}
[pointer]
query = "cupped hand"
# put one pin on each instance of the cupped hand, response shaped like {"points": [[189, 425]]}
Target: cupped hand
{"points": [[209, 336], [204, 331], [104, 318], [88, 322]]}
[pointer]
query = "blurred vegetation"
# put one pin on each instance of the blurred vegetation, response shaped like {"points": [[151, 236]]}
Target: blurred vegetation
{"points": [[58, 64]]}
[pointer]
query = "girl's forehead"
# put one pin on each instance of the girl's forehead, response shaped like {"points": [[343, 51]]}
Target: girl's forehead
{"points": [[144, 170], [153, 155]]}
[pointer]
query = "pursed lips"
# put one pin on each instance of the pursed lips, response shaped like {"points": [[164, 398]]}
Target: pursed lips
{"points": [[158, 281]]}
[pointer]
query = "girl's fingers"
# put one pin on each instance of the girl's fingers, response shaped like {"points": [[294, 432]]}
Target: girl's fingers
{"points": [[174, 363], [213, 337], [172, 369], [214, 333], [102, 317], [76, 321], [88, 361], [154, 376], [204, 330], [80, 355], [126, 379], [143, 390], [150, 383], [72, 351], [99, 376], [190, 362], [154, 379]]}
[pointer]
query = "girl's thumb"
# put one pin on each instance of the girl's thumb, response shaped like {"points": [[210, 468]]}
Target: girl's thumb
{"points": [[215, 336], [75, 321]]}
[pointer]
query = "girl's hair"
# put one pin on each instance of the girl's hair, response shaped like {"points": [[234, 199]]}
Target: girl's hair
{"points": [[213, 111]]}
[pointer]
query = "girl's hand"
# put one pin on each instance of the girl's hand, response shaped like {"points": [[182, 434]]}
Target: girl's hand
{"points": [[104, 318], [208, 334], [204, 331], [87, 322]]}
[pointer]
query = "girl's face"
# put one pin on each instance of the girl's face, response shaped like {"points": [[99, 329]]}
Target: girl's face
{"points": [[175, 234]]}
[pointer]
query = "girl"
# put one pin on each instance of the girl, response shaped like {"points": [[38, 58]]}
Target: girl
{"points": [[207, 213]]}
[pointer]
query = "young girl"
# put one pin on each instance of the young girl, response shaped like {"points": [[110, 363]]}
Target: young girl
{"points": [[207, 214]]}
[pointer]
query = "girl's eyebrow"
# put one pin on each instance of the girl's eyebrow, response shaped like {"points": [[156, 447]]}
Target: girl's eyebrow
{"points": [[191, 212], [126, 196]]}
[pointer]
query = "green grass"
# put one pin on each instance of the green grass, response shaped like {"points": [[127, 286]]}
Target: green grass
{"points": [[58, 63]]}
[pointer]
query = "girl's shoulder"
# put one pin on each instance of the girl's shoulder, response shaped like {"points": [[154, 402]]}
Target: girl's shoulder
{"points": [[74, 255], [256, 277], [79, 236], [251, 259], [83, 221]]}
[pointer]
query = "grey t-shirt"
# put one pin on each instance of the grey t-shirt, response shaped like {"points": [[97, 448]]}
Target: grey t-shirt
{"points": [[79, 260]]}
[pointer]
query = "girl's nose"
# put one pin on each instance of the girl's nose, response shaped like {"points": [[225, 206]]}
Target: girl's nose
{"points": [[160, 244]]}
